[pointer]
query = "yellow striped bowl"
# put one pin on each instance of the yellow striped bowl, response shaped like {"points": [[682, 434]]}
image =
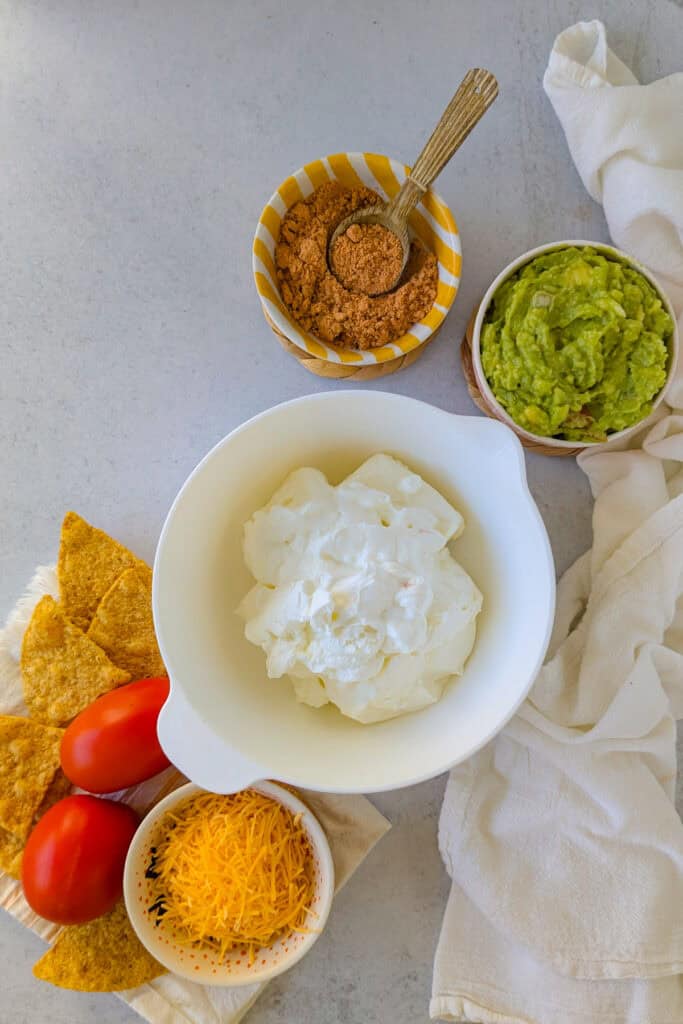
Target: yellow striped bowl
{"points": [[432, 222]]}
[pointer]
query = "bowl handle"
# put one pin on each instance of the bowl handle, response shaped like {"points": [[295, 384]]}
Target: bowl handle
{"points": [[198, 753]]}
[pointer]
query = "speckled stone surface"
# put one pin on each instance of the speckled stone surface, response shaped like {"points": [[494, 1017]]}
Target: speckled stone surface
{"points": [[140, 141]]}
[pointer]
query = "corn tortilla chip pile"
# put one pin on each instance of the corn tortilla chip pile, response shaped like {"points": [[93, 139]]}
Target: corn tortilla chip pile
{"points": [[123, 626], [89, 562], [104, 955], [62, 670], [30, 782], [100, 634], [97, 637]]}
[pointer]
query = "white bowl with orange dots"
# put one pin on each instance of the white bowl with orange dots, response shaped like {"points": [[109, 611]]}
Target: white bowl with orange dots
{"points": [[229, 890], [292, 296]]}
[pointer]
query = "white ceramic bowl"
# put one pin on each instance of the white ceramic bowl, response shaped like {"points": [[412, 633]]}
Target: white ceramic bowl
{"points": [[431, 221], [234, 968], [482, 382], [225, 723]]}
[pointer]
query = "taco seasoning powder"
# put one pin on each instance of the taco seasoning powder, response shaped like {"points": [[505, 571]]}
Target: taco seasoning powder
{"points": [[367, 258], [319, 301]]}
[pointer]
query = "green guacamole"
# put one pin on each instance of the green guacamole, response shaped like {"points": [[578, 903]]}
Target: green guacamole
{"points": [[574, 345]]}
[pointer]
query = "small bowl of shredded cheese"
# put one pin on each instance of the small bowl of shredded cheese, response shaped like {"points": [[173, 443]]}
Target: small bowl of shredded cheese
{"points": [[229, 889]]}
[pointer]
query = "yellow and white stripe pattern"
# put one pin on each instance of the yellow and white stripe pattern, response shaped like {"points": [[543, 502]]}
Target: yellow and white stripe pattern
{"points": [[432, 222]]}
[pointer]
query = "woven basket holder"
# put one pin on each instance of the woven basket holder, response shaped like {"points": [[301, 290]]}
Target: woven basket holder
{"points": [[345, 371], [481, 403]]}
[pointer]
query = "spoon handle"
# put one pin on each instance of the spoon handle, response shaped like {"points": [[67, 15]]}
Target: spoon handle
{"points": [[474, 96]]}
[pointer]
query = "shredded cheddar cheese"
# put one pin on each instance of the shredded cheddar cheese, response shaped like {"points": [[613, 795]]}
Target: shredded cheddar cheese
{"points": [[234, 871]]}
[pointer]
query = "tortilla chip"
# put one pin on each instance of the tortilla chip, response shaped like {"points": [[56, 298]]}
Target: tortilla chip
{"points": [[11, 852], [104, 955], [56, 791], [61, 669], [89, 562], [123, 626], [12, 848], [29, 759]]}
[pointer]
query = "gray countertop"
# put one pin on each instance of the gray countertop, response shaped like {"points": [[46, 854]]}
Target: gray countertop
{"points": [[140, 142]]}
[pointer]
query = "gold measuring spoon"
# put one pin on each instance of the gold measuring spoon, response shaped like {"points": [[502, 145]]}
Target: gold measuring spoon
{"points": [[474, 96]]}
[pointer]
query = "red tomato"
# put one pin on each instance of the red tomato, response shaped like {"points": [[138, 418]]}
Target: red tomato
{"points": [[113, 743], [72, 869]]}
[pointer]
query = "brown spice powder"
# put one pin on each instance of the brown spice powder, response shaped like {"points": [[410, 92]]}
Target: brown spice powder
{"points": [[367, 258], [319, 302]]}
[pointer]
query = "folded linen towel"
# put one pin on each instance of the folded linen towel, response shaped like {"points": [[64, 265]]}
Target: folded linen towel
{"points": [[562, 837]]}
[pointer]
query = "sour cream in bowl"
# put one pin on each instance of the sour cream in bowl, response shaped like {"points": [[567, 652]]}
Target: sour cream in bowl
{"points": [[358, 598], [227, 724]]}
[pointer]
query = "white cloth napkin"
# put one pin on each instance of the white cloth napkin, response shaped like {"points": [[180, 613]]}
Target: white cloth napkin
{"points": [[562, 837], [351, 823], [626, 140]]}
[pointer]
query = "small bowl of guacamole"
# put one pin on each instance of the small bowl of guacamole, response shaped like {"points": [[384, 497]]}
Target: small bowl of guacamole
{"points": [[574, 344]]}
